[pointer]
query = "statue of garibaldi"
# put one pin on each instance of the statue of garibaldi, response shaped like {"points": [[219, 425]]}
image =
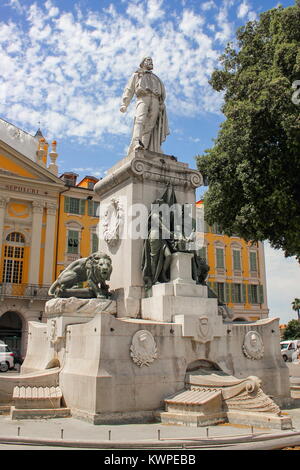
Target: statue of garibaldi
{"points": [[150, 127]]}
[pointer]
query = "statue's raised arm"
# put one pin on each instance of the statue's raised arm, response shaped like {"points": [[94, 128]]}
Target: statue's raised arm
{"points": [[150, 127]]}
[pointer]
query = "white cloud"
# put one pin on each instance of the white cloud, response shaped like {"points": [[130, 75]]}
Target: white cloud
{"points": [[283, 283], [16, 5], [68, 69], [208, 5], [226, 29], [244, 12], [243, 9]]}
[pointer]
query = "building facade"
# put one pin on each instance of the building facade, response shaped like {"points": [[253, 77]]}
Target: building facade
{"points": [[46, 222], [237, 273]]}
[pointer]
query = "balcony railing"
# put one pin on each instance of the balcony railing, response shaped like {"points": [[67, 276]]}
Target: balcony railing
{"points": [[25, 291]]}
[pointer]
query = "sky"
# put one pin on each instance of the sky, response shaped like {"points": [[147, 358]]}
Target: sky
{"points": [[65, 63]]}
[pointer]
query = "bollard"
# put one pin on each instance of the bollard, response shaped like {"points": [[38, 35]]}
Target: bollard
{"points": [[158, 434], [252, 430], [19, 429], [207, 432], [61, 433], [109, 435]]}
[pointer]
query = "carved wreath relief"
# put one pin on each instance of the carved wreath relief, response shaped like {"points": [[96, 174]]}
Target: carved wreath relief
{"points": [[143, 348], [113, 218], [253, 346]]}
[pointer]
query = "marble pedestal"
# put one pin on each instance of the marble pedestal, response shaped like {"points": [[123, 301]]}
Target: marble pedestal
{"points": [[128, 191]]}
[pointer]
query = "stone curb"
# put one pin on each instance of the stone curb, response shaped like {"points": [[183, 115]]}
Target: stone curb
{"points": [[251, 442]]}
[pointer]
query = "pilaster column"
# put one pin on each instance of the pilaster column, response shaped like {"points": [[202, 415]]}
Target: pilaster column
{"points": [[35, 248], [49, 243], [3, 202]]}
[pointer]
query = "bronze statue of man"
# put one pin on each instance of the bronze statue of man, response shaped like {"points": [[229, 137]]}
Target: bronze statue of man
{"points": [[150, 127]]}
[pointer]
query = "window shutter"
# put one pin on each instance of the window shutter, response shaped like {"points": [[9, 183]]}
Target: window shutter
{"points": [[90, 208], [227, 292], [253, 261], [82, 206], [243, 293], [220, 257], [95, 242], [236, 260], [96, 208], [250, 300], [67, 204], [233, 293], [261, 294]]}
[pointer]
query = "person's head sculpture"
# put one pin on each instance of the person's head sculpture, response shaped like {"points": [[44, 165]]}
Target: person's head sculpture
{"points": [[147, 63]]}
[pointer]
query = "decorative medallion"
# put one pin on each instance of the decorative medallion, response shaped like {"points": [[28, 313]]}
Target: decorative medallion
{"points": [[113, 218], [204, 329], [253, 347], [143, 348]]}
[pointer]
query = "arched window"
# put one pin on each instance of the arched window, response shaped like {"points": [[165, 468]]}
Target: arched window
{"points": [[15, 237], [13, 258]]}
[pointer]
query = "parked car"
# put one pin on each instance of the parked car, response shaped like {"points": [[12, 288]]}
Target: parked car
{"points": [[6, 358], [288, 348]]}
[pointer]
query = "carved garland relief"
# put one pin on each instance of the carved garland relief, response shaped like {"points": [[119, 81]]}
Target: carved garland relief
{"points": [[143, 348]]}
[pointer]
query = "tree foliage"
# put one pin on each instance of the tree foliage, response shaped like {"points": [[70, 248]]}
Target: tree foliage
{"points": [[296, 306], [253, 168], [292, 330]]}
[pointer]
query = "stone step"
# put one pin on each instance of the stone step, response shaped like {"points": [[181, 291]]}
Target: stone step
{"points": [[194, 408], [37, 397], [193, 397], [27, 413]]}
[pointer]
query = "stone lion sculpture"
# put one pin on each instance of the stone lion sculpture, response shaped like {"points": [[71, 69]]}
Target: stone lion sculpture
{"points": [[95, 270]]}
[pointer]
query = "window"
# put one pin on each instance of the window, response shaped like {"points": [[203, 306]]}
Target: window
{"points": [[95, 242], [73, 205], [236, 260], [15, 237], [13, 259], [220, 258], [73, 241], [237, 294], [253, 261], [255, 294], [93, 208]]}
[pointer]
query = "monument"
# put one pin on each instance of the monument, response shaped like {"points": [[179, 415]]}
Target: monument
{"points": [[144, 339]]}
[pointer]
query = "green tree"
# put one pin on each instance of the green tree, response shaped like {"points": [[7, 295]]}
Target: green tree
{"points": [[296, 307], [254, 166], [292, 330]]}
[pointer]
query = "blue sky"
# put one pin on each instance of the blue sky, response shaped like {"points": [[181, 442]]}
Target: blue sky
{"points": [[65, 64]]}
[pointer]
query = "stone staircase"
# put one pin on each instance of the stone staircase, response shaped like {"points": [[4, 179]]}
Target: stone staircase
{"points": [[215, 397], [194, 408], [38, 402]]}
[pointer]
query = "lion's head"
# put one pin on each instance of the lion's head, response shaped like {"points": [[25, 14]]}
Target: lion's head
{"points": [[99, 267]]}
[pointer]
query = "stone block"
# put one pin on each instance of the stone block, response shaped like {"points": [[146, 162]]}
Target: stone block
{"points": [[181, 268], [189, 290], [158, 308], [166, 288]]}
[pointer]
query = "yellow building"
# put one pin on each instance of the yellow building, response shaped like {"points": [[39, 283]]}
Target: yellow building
{"points": [[237, 273], [46, 222]]}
